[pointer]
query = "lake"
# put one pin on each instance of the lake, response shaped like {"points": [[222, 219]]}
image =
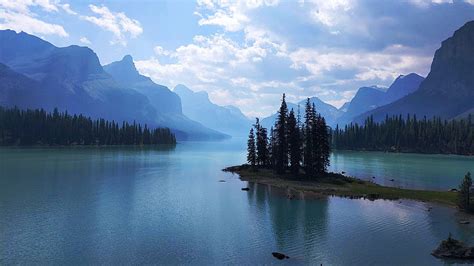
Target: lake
{"points": [[123, 205]]}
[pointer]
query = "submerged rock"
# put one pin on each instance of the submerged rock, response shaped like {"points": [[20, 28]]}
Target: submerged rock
{"points": [[453, 249], [280, 256]]}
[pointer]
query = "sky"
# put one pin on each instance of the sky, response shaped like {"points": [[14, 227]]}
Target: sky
{"points": [[247, 53]]}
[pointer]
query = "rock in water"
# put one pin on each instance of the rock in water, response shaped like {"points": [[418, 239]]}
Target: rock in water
{"points": [[453, 249], [245, 189], [464, 222], [279, 256]]}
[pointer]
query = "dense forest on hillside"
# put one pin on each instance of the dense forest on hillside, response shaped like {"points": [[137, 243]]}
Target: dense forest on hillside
{"points": [[38, 127], [292, 145], [408, 135]]}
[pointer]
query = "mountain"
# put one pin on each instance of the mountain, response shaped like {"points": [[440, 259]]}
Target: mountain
{"points": [[329, 112], [166, 102], [126, 74], [402, 86], [344, 107], [370, 98], [366, 98], [72, 79], [18, 90], [448, 90], [226, 119]]}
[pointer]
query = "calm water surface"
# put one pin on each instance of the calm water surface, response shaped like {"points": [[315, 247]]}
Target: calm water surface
{"points": [[137, 206]]}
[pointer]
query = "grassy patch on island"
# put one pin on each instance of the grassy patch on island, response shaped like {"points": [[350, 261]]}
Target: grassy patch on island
{"points": [[340, 185]]}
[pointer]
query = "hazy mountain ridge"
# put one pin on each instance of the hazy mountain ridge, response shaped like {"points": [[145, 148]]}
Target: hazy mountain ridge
{"points": [[330, 113], [370, 98], [226, 119], [166, 102]]}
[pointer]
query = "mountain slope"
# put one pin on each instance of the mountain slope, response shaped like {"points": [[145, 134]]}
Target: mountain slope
{"points": [[226, 119], [370, 98], [329, 112], [166, 102], [448, 90], [366, 98]]}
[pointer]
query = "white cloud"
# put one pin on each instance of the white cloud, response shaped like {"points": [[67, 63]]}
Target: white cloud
{"points": [[230, 15], [383, 65], [116, 22], [160, 51], [17, 15], [329, 13], [84, 40], [67, 8]]}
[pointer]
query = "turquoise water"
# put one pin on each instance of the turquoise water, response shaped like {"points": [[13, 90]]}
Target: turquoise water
{"points": [[144, 206], [408, 170]]}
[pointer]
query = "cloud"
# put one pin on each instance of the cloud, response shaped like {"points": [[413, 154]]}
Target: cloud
{"points": [[17, 15], [231, 15], [84, 40], [115, 22], [67, 8], [250, 52], [160, 51]]}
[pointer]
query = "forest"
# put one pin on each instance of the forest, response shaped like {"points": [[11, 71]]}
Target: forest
{"points": [[38, 127], [408, 135], [291, 146]]}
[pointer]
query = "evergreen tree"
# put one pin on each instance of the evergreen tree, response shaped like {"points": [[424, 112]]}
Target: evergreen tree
{"points": [[251, 154], [294, 143], [37, 127], [308, 160], [281, 158], [408, 135], [464, 192]]}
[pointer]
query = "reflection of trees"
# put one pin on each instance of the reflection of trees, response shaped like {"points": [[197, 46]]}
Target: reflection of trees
{"points": [[297, 225]]}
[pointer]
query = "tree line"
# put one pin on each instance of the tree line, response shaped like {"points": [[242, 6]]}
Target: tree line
{"points": [[408, 135], [38, 127], [291, 145]]}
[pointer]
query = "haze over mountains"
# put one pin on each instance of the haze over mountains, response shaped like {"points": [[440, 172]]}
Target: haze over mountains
{"points": [[369, 98], [226, 119], [36, 74]]}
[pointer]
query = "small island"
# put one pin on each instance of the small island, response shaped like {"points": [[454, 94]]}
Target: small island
{"points": [[334, 184]]}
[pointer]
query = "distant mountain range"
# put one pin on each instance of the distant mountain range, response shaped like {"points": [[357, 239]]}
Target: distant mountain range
{"points": [[448, 90], [370, 98], [36, 74], [330, 113], [167, 103], [226, 119]]}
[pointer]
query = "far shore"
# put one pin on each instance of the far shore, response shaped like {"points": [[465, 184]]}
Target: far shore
{"points": [[335, 184]]}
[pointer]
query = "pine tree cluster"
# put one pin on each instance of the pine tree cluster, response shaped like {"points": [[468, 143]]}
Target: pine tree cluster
{"points": [[292, 146], [408, 135], [37, 127]]}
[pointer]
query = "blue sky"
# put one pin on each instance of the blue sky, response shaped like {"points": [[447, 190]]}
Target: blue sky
{"points": [[246, 53]]}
